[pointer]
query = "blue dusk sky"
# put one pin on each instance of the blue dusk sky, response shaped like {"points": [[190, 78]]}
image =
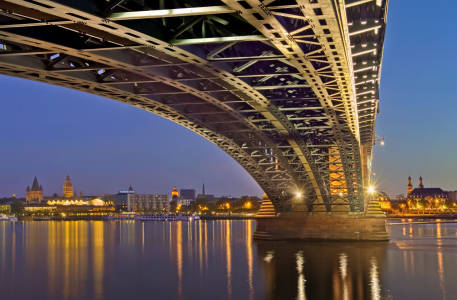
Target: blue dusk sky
{"points": [[105, 145]]}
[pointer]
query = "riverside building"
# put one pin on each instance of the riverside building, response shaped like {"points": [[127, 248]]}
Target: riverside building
{"points": [[131, 201]]}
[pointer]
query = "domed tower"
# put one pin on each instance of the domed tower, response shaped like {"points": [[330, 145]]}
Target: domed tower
{"points": [[421, 186], [67, 188], [174, 193], [410, 186]]}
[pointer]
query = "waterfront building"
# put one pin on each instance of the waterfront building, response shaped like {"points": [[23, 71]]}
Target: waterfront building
{"points": [[34, 193], [401, 197], [384, 200], [432, 196], [5, 208], [94, 202], [453, 195], [203, 195], [131, 201], [188, 194]]}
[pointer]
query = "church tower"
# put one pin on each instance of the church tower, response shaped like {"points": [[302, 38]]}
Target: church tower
{"points": [[34, 193], [67, 188], [410, 186], [421, 186]]}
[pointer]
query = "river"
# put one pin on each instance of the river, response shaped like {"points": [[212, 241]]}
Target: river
{"points": [[218, 259]]}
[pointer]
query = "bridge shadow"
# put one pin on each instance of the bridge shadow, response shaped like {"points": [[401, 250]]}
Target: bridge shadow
{"points": [[298, 270]]}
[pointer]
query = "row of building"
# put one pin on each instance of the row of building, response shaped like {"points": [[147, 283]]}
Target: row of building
{"points": [[127, 200], [415, 196]]}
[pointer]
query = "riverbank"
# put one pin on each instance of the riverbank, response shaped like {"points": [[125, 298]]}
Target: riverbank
{"points": [[227, 217], [67, 218], [100, 218], [416, 216]]}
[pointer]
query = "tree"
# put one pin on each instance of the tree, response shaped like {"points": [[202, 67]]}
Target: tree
{"points": [[17, 207], [173, 205], [202, 205]]}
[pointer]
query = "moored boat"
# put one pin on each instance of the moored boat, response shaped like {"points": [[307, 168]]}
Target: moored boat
{"points": [[9, 218], [42, 219]]}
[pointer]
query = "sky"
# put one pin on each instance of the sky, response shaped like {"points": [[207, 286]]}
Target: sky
{"points": [[105, 145]]}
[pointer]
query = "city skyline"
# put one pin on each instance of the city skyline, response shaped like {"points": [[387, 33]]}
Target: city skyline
{"points": [[78, 191]]}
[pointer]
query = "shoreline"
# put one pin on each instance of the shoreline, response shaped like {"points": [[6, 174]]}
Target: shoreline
{"points": [[435, 216], [100, 218]]}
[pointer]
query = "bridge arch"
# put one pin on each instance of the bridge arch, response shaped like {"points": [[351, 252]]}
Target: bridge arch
{"points": [[287, 113]]}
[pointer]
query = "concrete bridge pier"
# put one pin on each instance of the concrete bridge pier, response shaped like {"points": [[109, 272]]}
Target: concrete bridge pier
{"points": [[326, 226]]}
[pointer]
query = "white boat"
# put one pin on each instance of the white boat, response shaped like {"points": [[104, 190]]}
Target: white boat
{"points": [[10, 218]]}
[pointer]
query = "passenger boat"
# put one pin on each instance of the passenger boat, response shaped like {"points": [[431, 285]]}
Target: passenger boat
{"points": [[120, 217], [168, 217], [10, 218], [151, 217]]}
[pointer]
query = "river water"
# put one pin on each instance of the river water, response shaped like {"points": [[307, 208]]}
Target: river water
{"points": [[219, 260]]}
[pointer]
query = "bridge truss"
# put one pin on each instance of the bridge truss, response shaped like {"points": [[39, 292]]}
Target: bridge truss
{"points": [[288, 88]]}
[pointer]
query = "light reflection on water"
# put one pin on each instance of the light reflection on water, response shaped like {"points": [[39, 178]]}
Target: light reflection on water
{"points": [[219, 260]]}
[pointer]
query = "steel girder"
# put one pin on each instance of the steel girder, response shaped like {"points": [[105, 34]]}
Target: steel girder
{"points": [[272, 84]]}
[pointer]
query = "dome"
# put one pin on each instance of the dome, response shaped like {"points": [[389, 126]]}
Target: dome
{"points": [[130, 188], [174, 192]]}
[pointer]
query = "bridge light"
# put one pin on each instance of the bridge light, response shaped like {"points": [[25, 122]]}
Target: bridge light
{"points": [[371, 189], [298, 195]]}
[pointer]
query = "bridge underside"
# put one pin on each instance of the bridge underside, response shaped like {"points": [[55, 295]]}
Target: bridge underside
{"points": [[288, 88]]}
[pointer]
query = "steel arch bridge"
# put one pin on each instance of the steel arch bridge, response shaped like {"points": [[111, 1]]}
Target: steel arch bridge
{"points": [[288, 88]]}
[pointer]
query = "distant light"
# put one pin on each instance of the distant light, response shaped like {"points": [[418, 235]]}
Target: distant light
{"points": [[371, 189]]}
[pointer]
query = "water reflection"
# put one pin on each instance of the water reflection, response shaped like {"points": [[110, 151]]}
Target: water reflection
{"points": [[218, 260], [332, 270], [301, 278]]}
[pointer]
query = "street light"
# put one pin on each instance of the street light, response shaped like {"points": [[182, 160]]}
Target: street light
{"points": [[298, 195], [380, 139], [371, 189]]}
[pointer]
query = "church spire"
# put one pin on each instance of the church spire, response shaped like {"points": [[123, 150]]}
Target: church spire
{"points": [[35, 185], [421, 186], [203, 192], [410, 186]]}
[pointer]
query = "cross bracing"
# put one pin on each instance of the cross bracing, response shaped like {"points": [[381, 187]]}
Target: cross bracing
{"points": [[289, 89]]}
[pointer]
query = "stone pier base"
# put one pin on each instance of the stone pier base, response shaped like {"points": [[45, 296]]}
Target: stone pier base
{"points": [[345, 227]]}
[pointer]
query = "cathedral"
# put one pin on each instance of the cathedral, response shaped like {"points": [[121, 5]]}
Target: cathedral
{"points": [[34, 193], [428, 194]]}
